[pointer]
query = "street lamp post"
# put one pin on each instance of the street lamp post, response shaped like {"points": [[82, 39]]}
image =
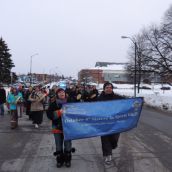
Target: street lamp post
{"points": [[135, 55], [31, 67]]}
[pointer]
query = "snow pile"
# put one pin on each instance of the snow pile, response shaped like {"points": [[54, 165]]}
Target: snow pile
{"points": [[154, 96]]}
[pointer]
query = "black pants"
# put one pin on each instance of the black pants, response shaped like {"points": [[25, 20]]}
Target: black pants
{"points": [[109, 142], [37, 117], [28, 105]]}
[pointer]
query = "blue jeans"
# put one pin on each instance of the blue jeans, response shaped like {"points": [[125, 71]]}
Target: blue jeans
{"points": [[59, 141], [2, 109]]}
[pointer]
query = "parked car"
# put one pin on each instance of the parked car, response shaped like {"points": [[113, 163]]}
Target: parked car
{"points": [[165, 88], [145, 87]]}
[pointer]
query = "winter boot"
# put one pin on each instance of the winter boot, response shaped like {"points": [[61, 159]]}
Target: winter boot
{"points": [[13, 124], [59, 158], [67, 158]]}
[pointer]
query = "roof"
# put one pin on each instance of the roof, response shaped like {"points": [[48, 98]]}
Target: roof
{"points": [[105, 64], [111, 67]]}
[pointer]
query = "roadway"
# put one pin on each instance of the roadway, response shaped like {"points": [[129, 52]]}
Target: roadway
{"points": [[145, 148]]}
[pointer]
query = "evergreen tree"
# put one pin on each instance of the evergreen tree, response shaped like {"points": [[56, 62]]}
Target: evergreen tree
{"points": [[6, 63]]}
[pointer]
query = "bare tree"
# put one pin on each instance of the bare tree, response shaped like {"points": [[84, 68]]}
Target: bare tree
{"points": [[154, 50], [167, 23], [156, 54], [141, 62]]}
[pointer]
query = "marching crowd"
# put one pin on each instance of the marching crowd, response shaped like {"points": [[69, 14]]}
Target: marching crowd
{"points": [[35, 100]]}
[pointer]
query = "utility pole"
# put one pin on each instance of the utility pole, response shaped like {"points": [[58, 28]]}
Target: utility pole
{"points": [[31, 67]]}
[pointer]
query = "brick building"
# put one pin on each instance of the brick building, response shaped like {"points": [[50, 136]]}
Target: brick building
{"points": [[104, 71], [91, 75]]}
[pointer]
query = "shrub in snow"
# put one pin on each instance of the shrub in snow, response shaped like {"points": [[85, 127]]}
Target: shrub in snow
{"points": [[165, 106]]}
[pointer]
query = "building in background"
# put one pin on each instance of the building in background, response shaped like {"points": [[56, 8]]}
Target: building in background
{"points": [[91, 75], [104, 71]]}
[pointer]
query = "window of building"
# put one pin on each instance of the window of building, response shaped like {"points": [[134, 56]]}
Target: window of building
{"points": [[116, 76]]}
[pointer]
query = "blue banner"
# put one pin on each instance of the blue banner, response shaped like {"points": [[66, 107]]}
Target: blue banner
{"points": [[83, 120]]}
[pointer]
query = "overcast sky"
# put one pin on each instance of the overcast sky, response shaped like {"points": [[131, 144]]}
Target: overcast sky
{"points": [[70, 35]]}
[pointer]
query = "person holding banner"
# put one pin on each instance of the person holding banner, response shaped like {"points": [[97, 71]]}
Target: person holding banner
{"points": [[54, 113], [109, 142]]}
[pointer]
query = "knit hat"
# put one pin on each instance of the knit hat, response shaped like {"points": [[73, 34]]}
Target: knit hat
{"points": [[59, 90], [52, 94], [106, 84]]}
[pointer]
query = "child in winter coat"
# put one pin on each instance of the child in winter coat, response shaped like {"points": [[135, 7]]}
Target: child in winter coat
{"points": [[54, 113]]}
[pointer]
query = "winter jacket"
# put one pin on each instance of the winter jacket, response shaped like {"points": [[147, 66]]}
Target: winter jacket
{"points": [[2, 96], [54, 113], [13, 100], [37, 99], [109, 141], [113, 96], [93, 95]]}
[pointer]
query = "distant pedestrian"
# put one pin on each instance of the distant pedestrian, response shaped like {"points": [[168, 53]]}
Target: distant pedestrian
{"points": [[85, 93], [45, 103], [20, 104], [2, 100], [109, 142], [93, 94], [13, 98], [28, 102], [37, 99]]}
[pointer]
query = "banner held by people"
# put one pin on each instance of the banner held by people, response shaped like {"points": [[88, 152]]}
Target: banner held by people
{"points": [[83, 120]]}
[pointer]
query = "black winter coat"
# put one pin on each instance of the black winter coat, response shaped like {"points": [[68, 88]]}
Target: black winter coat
{"points": [[113, 96], [113, 138], [2, 96], [56, 122]]}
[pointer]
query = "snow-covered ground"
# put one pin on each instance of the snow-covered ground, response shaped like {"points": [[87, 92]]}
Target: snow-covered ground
{"points": [[154, 97]]}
